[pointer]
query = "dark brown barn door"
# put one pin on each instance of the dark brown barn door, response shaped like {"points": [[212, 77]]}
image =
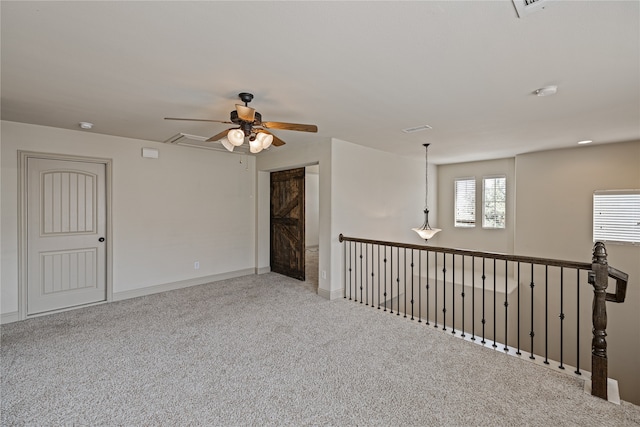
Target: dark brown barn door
{"points": [[287, 223]]}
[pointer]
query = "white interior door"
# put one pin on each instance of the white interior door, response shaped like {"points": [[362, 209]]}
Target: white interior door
{"points": [[66, 231]]}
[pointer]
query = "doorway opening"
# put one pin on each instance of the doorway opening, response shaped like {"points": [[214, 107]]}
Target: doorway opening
{"points": [[312, 217], [294, 224]]}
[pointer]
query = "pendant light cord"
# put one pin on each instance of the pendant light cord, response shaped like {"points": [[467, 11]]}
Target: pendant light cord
{"points": [[426, 177]]}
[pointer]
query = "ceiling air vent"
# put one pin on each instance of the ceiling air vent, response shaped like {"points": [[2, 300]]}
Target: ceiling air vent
{"points": [[416, 129], [196, 141], [525, 7]]}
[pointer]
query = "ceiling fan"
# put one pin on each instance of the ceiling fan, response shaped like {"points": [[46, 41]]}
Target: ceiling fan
{"points": [[250, 125]]}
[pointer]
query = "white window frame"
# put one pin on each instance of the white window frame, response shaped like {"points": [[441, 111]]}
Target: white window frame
{"points": [[485, 223], [616, 216], [463, 222]]}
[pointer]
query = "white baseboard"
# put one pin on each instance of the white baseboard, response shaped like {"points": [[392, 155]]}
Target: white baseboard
{"points": [[331, 295], [263, 270], [149, 290], [14, 316]]}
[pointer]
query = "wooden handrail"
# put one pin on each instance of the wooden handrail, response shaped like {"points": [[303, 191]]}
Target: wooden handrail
{"points": [[621, 278], [478, 254], [621, 285]]}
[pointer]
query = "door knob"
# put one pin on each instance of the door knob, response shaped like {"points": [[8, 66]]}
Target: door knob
{"points": [[101, 239]]}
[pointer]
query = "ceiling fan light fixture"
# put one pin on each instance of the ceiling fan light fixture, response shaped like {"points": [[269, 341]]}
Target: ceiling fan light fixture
{"points": [[236, 137], [249, 127], [226, 144], [264, 139], [255, 146], [245, 113]]}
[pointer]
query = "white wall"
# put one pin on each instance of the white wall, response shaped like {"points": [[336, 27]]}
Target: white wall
{"points": [[378, 195], [188, 205], [311, 208], [554, 220]]}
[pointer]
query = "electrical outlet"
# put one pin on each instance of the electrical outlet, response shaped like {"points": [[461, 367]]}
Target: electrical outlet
{"points": [[196, 265], [324, 274]]}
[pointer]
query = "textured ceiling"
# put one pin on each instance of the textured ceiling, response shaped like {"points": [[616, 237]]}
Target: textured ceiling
{"points": [[361, 71]]}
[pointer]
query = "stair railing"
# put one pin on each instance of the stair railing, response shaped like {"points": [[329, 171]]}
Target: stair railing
{"points": [[413, 280]]}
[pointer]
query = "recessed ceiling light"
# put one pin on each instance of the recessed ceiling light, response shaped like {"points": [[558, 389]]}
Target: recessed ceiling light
{"points": [[85, 125], [416, 129], [546, 91], [586, 141]]}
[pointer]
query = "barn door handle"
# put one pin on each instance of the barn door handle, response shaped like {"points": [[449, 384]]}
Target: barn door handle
{"points": [[101, 239]]}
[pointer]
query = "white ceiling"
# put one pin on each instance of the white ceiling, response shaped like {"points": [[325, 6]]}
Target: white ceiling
{"points": [[361, 71]]}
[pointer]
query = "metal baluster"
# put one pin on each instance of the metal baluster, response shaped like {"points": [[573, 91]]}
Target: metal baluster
{"points": [[385, 279], [373, 277], [405, 282], [344, 257], [391, 284], [473, 298], [462, 295], [561, 318], [361, 273], [355, 272], [378, 277], [366, 273], [518, 352], [484, 321], [419, 286], [531, 333], [578, 323], [427, 287], [506, 304], [412, 274], [435, 288], [398, 283], [495, 285], [453, 294], [348, 258], [444, 291], [546, 314]]}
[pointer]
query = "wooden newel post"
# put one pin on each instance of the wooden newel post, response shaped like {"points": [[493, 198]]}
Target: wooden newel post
{"points": [[599, 279]]}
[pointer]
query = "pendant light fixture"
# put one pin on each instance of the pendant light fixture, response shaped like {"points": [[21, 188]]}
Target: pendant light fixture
{"points": [[426, 232]]}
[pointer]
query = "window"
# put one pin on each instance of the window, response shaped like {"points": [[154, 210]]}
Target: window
{"points": [[616, 216], [465, 203], [494, 202]]}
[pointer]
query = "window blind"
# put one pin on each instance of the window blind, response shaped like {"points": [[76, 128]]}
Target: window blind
{"points": [[616, 216]]}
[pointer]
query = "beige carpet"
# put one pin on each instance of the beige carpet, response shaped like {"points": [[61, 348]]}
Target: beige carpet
{"points": [[266, 350]]}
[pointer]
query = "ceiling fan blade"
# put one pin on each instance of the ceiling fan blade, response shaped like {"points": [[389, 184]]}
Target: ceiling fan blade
{"points": [[276, 141], [219, 136], [199, 120], [290, 126], [246, 114]]}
